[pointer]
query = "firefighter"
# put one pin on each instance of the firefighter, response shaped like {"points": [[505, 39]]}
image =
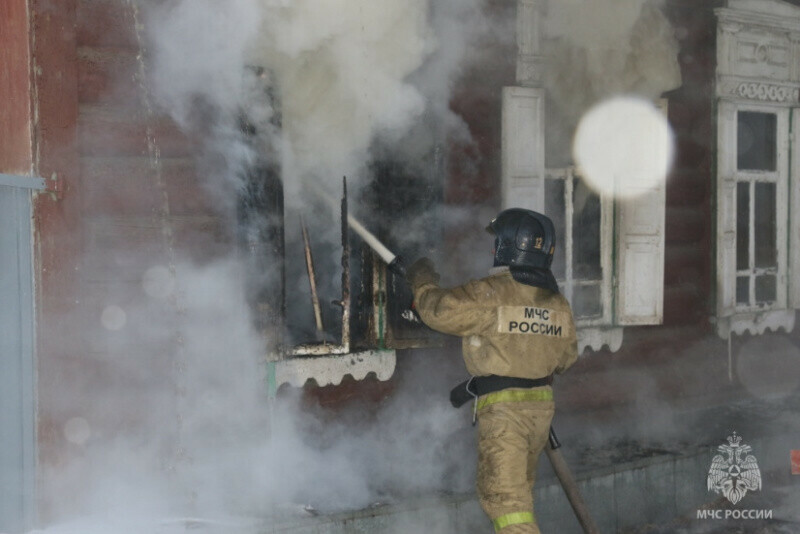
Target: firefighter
{"points": [[517, 330]]}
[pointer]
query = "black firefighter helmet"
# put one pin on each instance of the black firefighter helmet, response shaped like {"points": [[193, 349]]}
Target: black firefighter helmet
{"points": [[523, 238]]}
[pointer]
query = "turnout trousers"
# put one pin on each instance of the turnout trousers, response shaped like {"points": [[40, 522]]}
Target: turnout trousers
{"points": [[512, 432]]}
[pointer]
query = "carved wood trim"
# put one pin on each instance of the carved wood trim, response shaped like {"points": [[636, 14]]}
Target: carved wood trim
{"points": [[767, 92]]}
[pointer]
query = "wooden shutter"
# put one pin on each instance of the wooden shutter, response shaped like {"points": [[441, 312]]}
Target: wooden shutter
{"points": [[726, 209], [640, 255], [523, 148]]}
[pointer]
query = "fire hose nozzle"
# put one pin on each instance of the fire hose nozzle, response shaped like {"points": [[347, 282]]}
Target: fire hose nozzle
{"points": [[397, 266]]}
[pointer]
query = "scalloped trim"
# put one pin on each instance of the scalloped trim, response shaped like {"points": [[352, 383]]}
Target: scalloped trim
{"points": [[597, 338], [756, 323], [331, 370]]}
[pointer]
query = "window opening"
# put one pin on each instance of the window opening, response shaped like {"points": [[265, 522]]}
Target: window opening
{"points": [[577, 213], [313, 290], [756, 210], [402, 202], [756, 141]]}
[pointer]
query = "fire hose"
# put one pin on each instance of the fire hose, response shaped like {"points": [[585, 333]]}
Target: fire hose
{"points": [[559, 464], [569, 485]]}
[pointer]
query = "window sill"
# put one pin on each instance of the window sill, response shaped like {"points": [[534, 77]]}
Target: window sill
{"points": [[596, 338], [330, 369], [755, 322]]}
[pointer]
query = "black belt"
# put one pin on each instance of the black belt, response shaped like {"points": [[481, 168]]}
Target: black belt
{"points": [[481, 385]]}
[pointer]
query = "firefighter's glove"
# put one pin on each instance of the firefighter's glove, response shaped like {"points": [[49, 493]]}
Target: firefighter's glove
{"points": [[422, 272]]}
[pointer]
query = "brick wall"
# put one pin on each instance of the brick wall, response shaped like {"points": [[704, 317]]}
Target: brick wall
{"points": [[131, 200]]}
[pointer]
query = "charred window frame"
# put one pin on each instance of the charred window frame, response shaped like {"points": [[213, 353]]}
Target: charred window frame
{"points": [[260, 213], [371, 307], [402, 201]]}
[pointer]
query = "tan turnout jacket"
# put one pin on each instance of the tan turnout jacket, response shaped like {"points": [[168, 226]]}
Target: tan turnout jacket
{"points": [[508, 328]]}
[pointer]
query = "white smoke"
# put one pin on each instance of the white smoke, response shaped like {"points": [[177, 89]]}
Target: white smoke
{"points": [[351, 82], [190, 431], [344, 73], [197, 74], [186, 430], [341, 69], [197, 55], [601, 49]]}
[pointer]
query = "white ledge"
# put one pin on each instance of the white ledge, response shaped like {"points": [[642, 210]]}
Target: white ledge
{"points": [[755, 322], [330, 370], [596, 338]]}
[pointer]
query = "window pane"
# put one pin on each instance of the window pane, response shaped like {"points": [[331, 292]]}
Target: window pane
{"points": [[766, 288], [742, 225], [743, 290], [554, 202], [756, 146], [586, 301], [586, 233], [765, 230]]}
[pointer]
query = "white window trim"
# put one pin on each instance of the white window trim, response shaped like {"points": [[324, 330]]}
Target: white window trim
{"points": [[632, 234], [606, 243], [594, 333], [751, 179], [757, 60], [732, 316]]}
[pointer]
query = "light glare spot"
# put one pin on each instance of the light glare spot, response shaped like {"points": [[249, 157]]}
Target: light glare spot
{"points": [[113, 318], [77, 430], [623, 147]]}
